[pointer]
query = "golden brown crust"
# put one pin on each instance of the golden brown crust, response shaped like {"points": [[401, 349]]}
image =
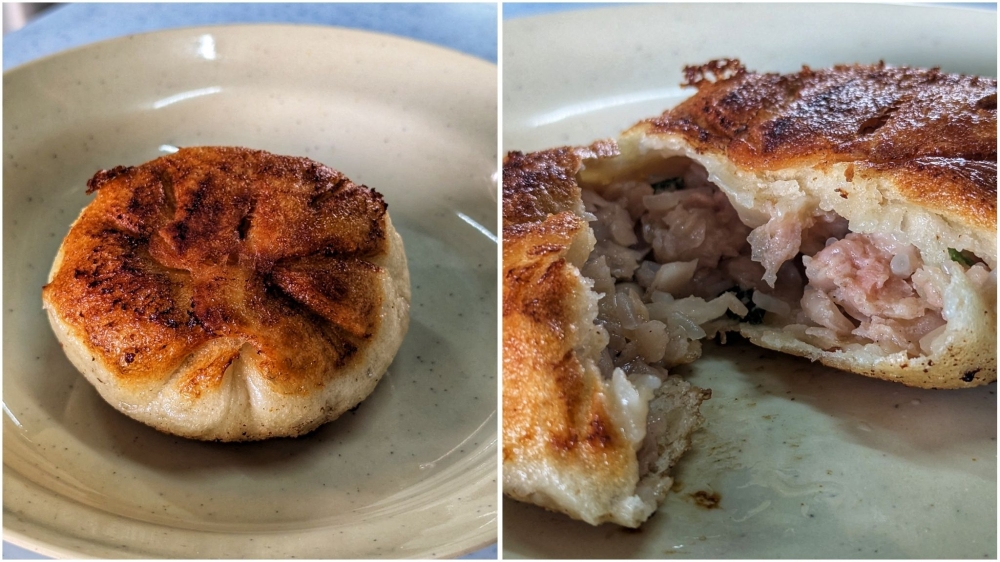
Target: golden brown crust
{"points": [[539, 184], [552, 410], [564, 445], [544, 183], [913, 124], [545, 386], [950, 186], [210, 372], [555, 417], [223, 243]]}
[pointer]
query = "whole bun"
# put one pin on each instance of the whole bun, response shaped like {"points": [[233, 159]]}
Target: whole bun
{"points": [[230, 294]]}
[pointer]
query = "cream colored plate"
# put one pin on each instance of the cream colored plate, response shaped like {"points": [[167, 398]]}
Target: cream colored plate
{"points": [[806, 462], [411, 472]]}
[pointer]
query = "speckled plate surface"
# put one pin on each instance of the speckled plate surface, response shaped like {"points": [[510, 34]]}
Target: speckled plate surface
{"points": [[412, 471], [795, 460]]}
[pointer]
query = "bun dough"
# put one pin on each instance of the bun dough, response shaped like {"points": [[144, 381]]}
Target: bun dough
{"points": [[230, 294]]}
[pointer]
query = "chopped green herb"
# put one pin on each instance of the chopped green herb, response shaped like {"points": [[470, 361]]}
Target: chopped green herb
{"points": [[755, 315], [955, 255], [670, 184]]}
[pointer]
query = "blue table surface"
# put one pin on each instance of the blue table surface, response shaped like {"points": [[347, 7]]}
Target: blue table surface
{"points": [[468, 28], [513, 10]]}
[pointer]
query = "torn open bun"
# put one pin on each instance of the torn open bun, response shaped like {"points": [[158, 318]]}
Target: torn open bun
{"points": [[846, 215], [855, 207]]}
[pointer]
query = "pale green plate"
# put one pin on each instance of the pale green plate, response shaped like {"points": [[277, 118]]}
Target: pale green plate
{"points": [[805, 461], [410, 473]]}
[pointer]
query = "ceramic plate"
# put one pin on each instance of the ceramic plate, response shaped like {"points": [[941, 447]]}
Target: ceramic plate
{"points": [[412, 471], [795, 460]]}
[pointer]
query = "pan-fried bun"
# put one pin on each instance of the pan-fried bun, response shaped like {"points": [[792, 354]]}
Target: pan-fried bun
{"points": [[847, 215], [882, 163], [230, 294]]}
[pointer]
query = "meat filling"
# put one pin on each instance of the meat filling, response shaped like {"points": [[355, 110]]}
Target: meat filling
{"points": [[875, 289], [664, 268], [674, 264], [870, 288]]}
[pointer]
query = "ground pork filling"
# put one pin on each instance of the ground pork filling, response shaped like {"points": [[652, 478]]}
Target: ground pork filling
{"points": [[674, 264]]}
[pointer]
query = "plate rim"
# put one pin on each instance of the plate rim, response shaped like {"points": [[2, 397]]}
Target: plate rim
{"points": [[236, 26]]}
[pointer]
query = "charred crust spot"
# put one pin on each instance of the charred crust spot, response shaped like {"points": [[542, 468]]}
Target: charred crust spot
{"points": [[180, 231], [598, 434], [545, 305], [316, 174], [244, 226], [166, 318], [321, 197], [969, 375], [377, 198], [129, 358], [192, 320], [327, 186], [779, 132], [543, 249], [103, 177], [712, 71], [565, 441], [876, 122], [198, 196]]}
